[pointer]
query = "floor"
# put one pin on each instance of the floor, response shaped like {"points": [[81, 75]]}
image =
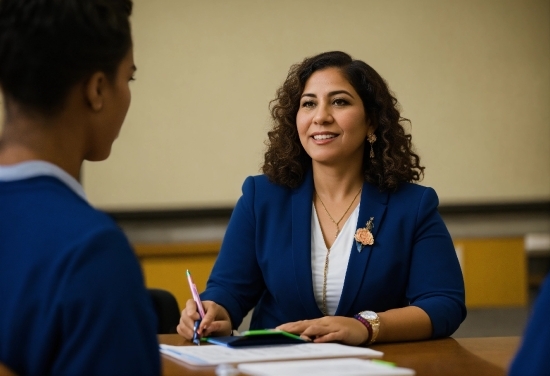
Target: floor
{"points": [[495, 322]]}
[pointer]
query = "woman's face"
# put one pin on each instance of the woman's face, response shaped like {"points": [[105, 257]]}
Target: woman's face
{"points": [[117, 101], [331, 120]]}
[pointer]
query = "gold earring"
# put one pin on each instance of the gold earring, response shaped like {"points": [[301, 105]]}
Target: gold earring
{"points": [[371, 138]]}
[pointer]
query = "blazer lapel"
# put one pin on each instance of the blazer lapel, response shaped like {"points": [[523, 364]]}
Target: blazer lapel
{"points": [[373, 205], [301, 244]]}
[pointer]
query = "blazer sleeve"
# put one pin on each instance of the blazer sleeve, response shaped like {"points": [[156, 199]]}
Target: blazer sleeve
{"points": [[236, 280], [435, 281], [532, 357]]}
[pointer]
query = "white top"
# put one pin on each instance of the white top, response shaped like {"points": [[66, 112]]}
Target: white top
{"points": [[31, 169], [338, 260]]}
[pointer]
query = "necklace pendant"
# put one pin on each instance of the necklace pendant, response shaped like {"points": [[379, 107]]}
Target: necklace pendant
{"points": [[337, 232]]}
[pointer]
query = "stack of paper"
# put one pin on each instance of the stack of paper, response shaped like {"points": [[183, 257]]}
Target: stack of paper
{"points": [[324, 367], [214, 355]]}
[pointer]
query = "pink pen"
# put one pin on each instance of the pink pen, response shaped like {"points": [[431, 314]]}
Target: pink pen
{"points": [[195, 294], [197, 299]]}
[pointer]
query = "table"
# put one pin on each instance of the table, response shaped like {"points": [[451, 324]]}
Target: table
{"points": [[448, 356]]}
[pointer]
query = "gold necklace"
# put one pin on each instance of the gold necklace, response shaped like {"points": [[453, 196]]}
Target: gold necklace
{"points": [[325, 271], [337, 223], [325, 310]]}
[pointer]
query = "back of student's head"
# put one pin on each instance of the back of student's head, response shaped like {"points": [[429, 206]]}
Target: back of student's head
{"points": [[48, 46]]}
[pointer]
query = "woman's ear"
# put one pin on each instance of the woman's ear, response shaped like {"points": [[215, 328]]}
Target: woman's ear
{"points": [[371, 128], [95, 90]]}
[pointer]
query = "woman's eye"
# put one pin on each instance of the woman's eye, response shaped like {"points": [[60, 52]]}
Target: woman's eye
{"points": [[340, 102], [308, 104]]}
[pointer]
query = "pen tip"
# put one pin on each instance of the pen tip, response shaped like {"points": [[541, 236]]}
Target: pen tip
{"points": [[188, 272]]}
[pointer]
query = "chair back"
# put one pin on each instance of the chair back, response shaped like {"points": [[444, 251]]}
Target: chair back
{"points": [[168, 312]]}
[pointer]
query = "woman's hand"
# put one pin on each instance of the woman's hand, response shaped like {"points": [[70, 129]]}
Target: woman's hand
{"points": [[215, 322], [341, 329]]}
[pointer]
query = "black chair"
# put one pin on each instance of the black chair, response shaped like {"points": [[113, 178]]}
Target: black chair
{"points": [[168, 312]]}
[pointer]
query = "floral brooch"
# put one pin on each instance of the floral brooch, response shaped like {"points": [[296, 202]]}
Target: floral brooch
{"points": [[363, 235]]}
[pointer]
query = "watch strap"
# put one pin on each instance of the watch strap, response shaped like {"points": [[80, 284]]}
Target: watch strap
{"points": [[367, 325], [373, 326]]}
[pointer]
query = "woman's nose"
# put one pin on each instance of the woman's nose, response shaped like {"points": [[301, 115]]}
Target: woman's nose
{"points": [[323, 115]]}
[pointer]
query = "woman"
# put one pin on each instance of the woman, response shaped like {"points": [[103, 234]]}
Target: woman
{"points": [[72, 296], [333, 242]]}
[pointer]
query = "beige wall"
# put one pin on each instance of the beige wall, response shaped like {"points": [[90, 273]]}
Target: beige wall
{"points": [[473, 76]]}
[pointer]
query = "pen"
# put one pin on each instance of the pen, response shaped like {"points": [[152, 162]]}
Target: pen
{"points": [[197, 299], [196, 337]]}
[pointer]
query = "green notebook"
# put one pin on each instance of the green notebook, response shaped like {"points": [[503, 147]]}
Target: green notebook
{"points": [[260, 337]]}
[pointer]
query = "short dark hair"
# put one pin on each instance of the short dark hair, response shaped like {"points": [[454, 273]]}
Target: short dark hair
{"points": [[395, 162], [47, 46]]}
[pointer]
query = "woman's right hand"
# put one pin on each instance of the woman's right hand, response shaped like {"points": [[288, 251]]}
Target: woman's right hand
{"points": [[216, 321]]}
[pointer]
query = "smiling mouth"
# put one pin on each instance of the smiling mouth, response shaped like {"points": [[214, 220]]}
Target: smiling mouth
{"points": [[324, 136]]}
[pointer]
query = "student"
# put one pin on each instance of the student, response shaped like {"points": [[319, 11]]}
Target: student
{"points": [[72, 298], [533, 357], [333, 242]]}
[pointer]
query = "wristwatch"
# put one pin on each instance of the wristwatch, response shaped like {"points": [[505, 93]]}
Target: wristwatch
{"points": [[370, 319]]}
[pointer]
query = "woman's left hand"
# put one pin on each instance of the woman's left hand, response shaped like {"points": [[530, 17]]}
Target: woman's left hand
{"points": [[341, 329]]}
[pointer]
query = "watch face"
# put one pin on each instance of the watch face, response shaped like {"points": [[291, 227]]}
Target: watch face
{"points": [[370, 315]]}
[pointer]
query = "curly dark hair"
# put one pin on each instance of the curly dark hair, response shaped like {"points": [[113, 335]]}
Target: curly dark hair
{"points": [[47, 46], [395, 161]]}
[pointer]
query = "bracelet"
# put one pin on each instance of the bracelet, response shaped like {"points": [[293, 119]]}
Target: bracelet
{"points": [[367, 325]]}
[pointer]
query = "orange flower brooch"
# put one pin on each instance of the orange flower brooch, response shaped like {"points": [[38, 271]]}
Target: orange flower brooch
{"points": [[363, 236]]}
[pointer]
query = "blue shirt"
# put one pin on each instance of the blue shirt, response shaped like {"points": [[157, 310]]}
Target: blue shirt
{"points": [[73, 301]]}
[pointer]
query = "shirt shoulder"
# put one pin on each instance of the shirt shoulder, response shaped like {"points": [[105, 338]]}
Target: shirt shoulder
{"points": [[52, 204]]}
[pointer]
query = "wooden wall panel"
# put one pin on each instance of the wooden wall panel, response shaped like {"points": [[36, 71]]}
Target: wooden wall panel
{"points": [[164, 266], [495, 272]]}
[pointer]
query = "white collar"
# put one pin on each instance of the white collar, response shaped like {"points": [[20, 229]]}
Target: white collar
{"points": [[31, 169]]}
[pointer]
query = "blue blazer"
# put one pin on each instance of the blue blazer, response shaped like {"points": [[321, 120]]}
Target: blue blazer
{"points": [[532, 357], [72, 297], [265, 258]]}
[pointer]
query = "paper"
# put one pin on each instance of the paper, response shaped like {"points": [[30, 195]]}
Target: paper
{"points": [[324, 367], [213, 355]]}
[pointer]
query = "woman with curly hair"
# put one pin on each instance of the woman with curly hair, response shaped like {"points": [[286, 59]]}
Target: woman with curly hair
{"points": [[334, 241]]}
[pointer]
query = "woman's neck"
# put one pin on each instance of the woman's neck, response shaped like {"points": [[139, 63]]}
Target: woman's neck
{"points": [[337, 194], [335, 183]]}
